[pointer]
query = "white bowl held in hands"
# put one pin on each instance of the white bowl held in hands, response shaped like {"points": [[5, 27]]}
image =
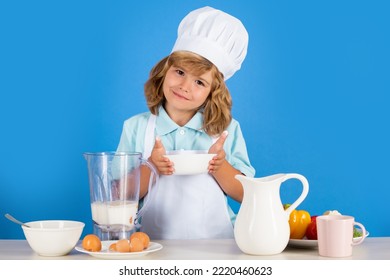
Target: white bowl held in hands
{"points": [[189, 162], [53, 238]]}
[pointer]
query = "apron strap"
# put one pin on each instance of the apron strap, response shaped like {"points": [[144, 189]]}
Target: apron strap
{"points": [[149, 136]]}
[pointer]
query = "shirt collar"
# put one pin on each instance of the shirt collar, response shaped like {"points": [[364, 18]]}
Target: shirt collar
{"points": [[165, 125]]}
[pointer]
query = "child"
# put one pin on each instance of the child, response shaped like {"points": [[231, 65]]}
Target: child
{"points": [[190, 109]]}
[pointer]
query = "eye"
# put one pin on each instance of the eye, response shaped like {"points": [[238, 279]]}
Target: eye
{"points": [[200, 83], [180, 72]]}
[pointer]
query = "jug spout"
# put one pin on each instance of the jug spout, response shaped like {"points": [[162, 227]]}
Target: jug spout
{"points": [[260, 181], [250, 184]]}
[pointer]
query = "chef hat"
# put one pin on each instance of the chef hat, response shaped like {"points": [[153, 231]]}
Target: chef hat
{"points": [[215, 35]]}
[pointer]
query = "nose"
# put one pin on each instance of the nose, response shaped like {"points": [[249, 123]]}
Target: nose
{"points": [[185, 85]]}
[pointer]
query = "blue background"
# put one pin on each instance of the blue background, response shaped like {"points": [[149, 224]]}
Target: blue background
{"points": [[312, 98]]}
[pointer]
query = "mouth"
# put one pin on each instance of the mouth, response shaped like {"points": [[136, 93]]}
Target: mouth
{"points": [[178, 95]]}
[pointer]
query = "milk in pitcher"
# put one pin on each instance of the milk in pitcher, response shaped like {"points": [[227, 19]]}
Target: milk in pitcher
{"points": [[115, 213]]}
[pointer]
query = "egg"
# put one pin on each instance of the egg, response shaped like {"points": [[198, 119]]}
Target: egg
{"points": [[112, 247], [123, 246], [136, 245], [92, 243], [141, 236]]}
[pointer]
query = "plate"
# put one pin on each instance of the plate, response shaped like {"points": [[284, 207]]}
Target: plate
{"points": [[303, 243], [306, 243], [106, 254]]}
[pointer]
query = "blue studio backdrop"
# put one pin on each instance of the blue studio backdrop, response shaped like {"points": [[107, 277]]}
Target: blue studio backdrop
{"points": [[312, 98]]}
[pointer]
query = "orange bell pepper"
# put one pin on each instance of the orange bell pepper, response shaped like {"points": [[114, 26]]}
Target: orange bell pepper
{"points": [[298, 221]]}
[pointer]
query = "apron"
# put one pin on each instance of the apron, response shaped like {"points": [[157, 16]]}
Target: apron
{"points": [[184, 206]]}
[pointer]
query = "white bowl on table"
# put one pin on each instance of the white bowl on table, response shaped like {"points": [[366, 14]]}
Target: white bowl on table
{"points": [[189, 162], [53, 238]]}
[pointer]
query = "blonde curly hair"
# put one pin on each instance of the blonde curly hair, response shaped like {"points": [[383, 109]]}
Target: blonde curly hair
{"points": [[217, 107]]}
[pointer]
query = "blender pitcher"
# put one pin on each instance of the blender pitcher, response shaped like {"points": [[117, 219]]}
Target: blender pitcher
{"points": [[114, 181]]}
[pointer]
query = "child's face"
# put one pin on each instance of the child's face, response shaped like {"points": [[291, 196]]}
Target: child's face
{"points": [[185, 92]]}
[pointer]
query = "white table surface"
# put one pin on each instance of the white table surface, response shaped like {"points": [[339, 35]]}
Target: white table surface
{"points": [[373, 248]]}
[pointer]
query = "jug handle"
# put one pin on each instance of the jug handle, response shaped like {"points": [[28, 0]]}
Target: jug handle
{"points": [[305, 190], [153, 177]]}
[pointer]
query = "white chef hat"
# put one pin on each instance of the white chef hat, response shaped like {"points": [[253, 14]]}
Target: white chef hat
{"points": [[215, 35]]}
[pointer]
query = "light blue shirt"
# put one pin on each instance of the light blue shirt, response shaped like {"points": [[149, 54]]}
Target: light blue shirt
{"points": [[187, 137]]}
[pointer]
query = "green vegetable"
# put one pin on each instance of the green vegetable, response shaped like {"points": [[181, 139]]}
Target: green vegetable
{"points": [[357, 233]]}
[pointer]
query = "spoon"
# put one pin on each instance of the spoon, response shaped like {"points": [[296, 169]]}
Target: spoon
{"points": [[9, 217]]}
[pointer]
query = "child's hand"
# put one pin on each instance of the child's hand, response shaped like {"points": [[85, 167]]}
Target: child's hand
{"points": [[219, 158], [163, 164]]}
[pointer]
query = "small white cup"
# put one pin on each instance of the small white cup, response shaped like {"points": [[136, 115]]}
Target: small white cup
{"points": [[335, 235]]}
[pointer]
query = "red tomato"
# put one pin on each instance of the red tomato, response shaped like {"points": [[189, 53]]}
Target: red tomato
{"points": [[311, 231]]}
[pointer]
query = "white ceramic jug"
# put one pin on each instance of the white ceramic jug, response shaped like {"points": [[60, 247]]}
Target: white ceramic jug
{"points": [[261, 226]]}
